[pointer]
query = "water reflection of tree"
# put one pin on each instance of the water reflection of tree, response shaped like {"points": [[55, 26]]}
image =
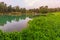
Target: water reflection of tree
{"points": [[5, 18]]}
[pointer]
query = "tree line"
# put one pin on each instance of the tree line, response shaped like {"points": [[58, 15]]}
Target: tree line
{"points": [[8, 9]]}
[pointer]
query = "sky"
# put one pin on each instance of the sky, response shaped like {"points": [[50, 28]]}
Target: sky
{"points": [[33, 3]]}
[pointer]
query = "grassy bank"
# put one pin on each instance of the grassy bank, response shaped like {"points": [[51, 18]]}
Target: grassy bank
{"points": [[40, 28]]}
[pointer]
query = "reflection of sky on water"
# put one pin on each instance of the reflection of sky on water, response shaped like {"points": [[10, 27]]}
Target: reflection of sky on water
{"points": [[15, 25]]}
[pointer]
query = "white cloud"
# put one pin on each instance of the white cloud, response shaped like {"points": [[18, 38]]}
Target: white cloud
{"points": [[33, 3], [30, 2]]}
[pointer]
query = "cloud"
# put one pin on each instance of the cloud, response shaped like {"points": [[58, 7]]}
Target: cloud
{"points": [[30, 2], [37, 3], [33, 3]]}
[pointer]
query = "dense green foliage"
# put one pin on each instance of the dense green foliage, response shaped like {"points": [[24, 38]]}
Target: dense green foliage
{"points": [[40, 28], [43, 28]]}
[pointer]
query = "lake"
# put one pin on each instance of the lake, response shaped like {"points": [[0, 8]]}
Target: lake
{"points": [[14, 25]]}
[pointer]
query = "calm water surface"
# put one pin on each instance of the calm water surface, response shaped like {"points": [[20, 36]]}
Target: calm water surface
{"points": [[15, 25]]}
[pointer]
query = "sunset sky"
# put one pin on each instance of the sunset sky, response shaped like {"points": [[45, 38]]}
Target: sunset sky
{"points": [[32, 3]]}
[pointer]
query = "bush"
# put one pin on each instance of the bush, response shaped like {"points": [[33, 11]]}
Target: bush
{"points": [[43, 28]]}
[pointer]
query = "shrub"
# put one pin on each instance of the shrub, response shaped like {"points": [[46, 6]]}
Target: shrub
{"points": [[43, 28]]}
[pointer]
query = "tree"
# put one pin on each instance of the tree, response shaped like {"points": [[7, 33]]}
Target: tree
{"points": [[43, 9], [17, 9], [10, 8], [23, 10]]}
